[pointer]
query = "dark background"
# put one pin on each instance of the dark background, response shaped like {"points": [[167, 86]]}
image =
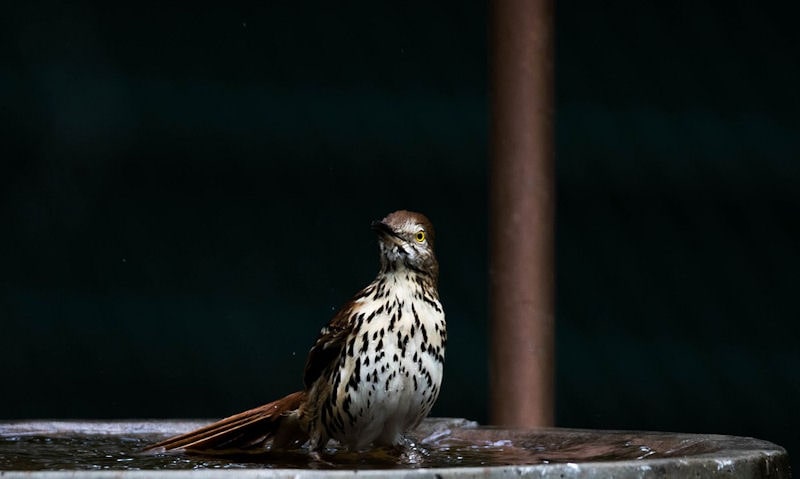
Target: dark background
{"points": [[186, 191]]}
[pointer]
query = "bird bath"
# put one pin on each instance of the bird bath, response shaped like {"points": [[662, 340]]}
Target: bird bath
{"points": [[444, 448]]}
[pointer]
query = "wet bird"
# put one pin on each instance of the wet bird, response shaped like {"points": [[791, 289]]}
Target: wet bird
{"points": [[375, 370]]}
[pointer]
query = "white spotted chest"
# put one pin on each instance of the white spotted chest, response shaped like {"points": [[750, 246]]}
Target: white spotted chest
{"points": [[392, 363]]}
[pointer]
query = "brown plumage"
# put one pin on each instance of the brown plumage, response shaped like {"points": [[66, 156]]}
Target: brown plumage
{"points": [[374, 371]]}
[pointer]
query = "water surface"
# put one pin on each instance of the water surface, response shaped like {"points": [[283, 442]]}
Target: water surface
{"points": [[436, 444]]}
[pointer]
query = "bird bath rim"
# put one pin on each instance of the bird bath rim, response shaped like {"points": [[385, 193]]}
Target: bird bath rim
{"points": [[676, 454]]}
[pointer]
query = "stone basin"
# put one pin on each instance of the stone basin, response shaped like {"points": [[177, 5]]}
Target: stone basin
{"points": [[444, 448]]}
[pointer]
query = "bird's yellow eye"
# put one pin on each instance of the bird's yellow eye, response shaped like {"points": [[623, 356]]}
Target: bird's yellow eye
{"points": [[420, 236]]}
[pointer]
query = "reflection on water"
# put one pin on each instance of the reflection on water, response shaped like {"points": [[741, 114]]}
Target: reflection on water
{"points": [[437, 446]]}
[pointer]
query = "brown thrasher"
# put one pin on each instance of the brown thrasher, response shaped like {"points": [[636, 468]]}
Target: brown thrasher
{"points": [[374, 371]]}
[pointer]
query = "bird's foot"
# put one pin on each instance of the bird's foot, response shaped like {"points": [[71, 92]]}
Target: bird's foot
{"points": [[318, 462]]}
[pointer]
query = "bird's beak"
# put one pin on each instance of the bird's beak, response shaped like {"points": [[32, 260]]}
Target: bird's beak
{"points": [[385, 232]]}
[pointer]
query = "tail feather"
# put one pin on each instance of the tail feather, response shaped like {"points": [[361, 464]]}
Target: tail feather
{"points": [[248, 429]]}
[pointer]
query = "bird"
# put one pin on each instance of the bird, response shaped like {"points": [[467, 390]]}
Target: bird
{"points": [[374, 371]]}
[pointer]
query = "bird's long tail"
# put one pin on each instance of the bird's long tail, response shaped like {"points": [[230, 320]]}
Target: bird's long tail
{"points": [[276, 421]]}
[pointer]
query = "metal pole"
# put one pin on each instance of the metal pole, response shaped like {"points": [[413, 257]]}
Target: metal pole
{"points": [[521, 273]]}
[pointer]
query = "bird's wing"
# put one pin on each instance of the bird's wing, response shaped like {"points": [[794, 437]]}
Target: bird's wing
{"points": [[329, 345]]}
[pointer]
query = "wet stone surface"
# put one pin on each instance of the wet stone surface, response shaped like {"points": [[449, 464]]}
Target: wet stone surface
{"points": [[448, 446]]}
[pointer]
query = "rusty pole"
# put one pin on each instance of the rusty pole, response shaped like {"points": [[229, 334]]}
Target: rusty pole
{"points": [[521, 273]]}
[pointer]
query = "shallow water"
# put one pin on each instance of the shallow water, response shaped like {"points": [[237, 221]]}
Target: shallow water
{"points": [[440, 445], [124, 453]]}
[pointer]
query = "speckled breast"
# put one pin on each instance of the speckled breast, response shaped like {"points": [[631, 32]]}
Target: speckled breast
{"points": [[390, 370]]}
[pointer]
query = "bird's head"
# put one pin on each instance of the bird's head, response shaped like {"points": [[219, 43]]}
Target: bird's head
{"points": [[406, 240]]}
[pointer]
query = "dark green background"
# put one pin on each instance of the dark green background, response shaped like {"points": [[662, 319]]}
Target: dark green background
{"points": [[186, 193]]}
